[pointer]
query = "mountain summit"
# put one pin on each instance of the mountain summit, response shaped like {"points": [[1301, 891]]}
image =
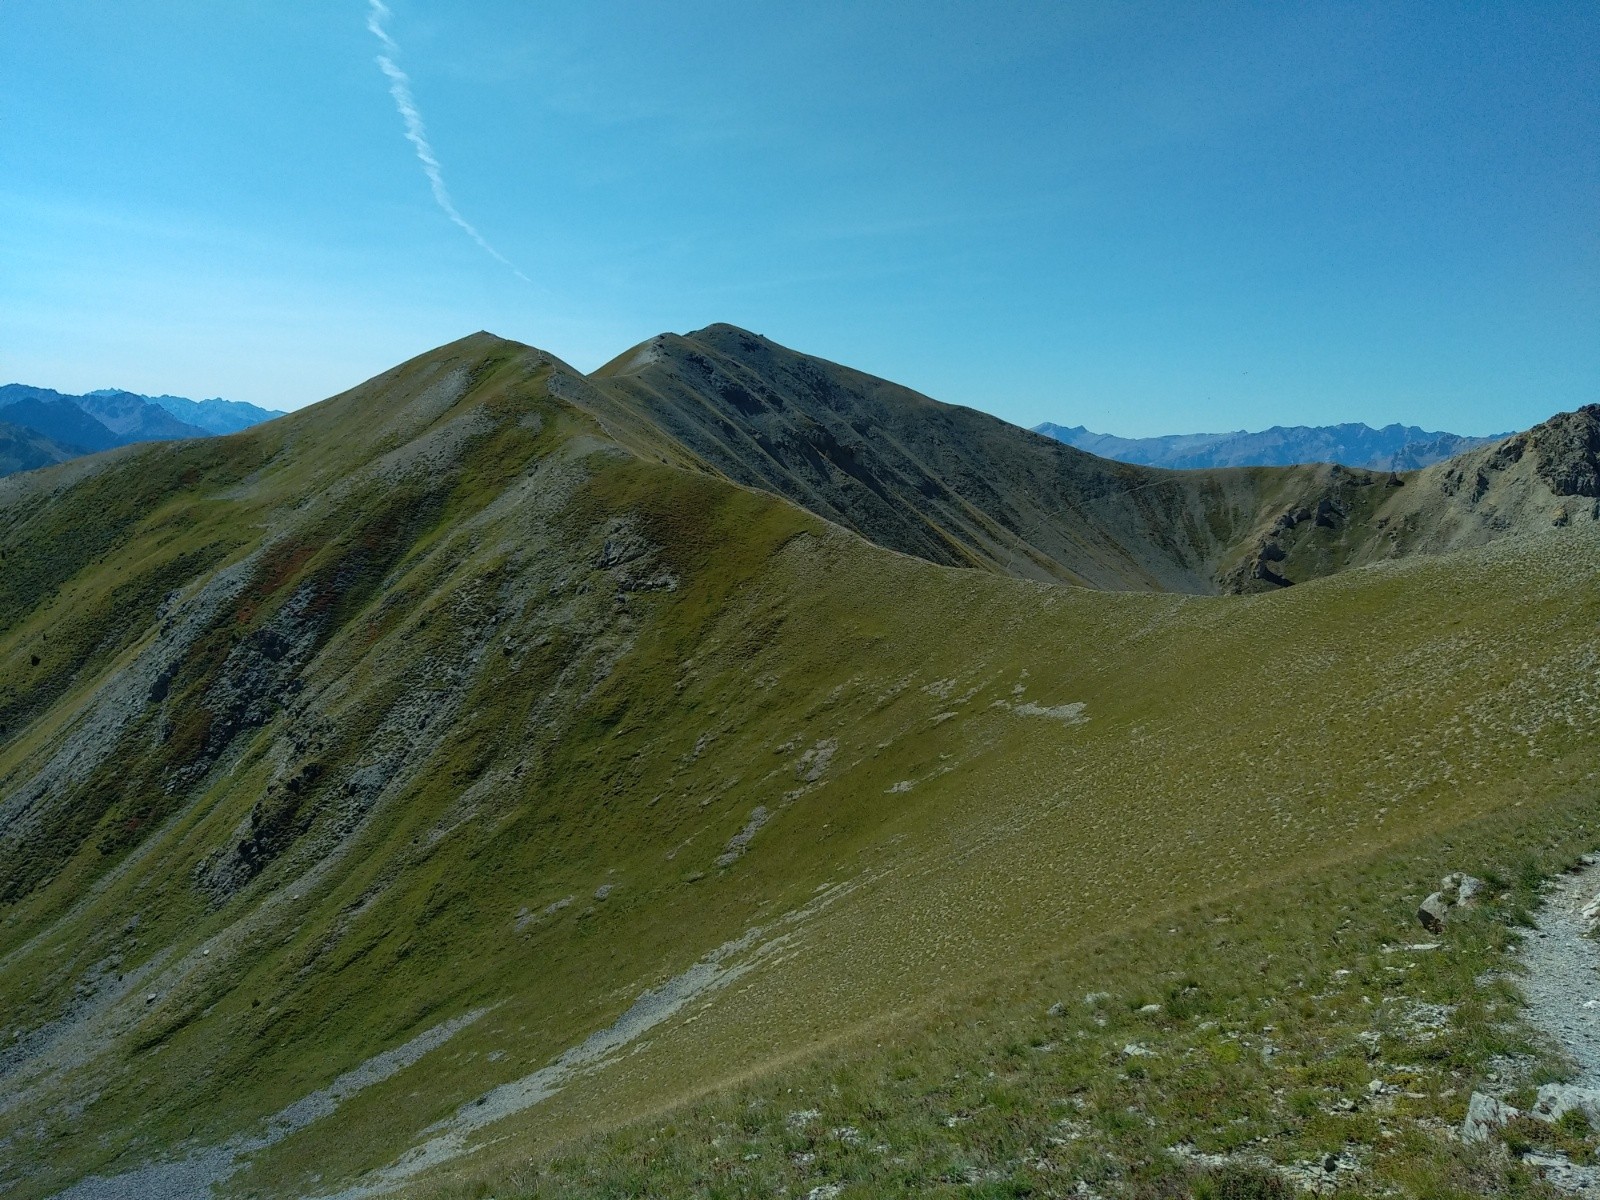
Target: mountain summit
{"points": [[959, 487]]}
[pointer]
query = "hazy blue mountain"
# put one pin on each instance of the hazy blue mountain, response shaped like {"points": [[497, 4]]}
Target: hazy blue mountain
{"points": [[24, 449], [214, 415], [135, 419], [1392, 448], [57, 418], [126, 417], [40, 426]]}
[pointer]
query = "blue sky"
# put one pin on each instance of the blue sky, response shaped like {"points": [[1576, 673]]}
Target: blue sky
{"points": [[1142, 218]]}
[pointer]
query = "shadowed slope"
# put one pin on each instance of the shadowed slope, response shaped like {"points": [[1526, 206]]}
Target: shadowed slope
{"points": [[959, 487], [24, 449], [62, 421], [949, 484]]}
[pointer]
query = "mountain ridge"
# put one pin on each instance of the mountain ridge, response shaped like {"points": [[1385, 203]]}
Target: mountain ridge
{"points": [[215, 415], [960, 487], [395, 792], [950, 484], [60, 420]]}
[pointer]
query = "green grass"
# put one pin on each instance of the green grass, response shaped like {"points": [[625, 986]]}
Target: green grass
{"points": [[477, 712], [1022, 1088]]}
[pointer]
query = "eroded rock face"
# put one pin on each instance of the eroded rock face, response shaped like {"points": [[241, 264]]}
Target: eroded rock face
{"points": [[1568, 447]]}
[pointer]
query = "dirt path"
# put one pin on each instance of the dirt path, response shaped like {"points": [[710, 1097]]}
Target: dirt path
{"points": [[1562, 986], [1563, 963]]}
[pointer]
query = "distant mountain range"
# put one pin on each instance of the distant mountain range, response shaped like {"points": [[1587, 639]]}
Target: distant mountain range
{"points": [[40, 426], [214, 416], [23, 449], [1392, 448]]}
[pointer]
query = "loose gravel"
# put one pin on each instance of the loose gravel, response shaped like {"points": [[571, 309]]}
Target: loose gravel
{"points": [[1562, 959]]}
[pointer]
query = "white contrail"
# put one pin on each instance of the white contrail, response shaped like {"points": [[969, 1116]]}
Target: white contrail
{"points": [[417, 134]]}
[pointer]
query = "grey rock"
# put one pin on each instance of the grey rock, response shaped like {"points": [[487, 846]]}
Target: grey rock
{"points": [[1465, 888], [740, 842], [1564, 1174], [1485, 1114], [1556, 1100], [1434, 912], [1457, 890]]}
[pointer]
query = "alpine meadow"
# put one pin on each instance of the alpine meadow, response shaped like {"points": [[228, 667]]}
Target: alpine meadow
{"points": [[731, 774]]}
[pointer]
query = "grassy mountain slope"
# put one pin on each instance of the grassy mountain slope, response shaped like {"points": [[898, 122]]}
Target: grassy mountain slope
{"points": [[443, 721]]}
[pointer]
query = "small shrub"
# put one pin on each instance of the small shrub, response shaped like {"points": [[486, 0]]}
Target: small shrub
{"points": [[1242, 1183], [1575, 1123], [1305, 1104]]}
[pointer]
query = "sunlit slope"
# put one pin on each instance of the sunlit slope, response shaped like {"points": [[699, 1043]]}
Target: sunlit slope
{"points": [[1547, 477], [429, 723]]}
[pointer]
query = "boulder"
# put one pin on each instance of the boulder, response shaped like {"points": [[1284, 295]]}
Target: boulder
{"points": [[1434, 912], [1485, 1114], [1456, 890], [1466, 888], [1556, 1100]]}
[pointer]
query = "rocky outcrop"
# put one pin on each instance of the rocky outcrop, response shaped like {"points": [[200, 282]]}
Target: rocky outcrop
{"points": [[1456, 892], [1568, 452], [1556, 1100]]}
